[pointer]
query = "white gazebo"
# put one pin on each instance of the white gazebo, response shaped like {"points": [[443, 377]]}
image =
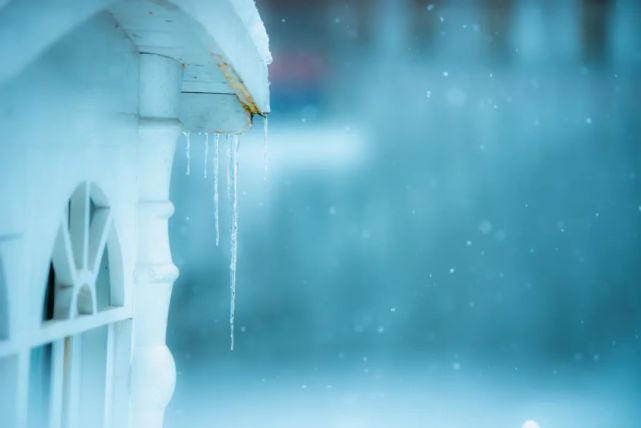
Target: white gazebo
{"points": [[93, 97]]}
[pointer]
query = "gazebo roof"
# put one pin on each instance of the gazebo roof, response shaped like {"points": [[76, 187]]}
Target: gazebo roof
{"points": [[222, 44]]}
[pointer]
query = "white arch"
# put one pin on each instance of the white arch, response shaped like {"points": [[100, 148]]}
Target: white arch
{"points": [[77, 253]]}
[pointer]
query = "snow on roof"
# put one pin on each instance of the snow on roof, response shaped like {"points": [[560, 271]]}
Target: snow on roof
{"points": [[247, 11]]}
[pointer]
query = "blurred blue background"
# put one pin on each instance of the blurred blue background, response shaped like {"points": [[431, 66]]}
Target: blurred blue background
{"points": [[449, 232]]}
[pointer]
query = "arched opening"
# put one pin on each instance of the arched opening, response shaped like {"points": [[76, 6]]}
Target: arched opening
{"points": [[85, 274], [70, 375]]}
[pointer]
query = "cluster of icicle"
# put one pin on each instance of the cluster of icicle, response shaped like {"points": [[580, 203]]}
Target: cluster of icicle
{"points": [[232, 143]]}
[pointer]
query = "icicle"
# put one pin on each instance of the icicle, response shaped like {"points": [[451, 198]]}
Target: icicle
{"points": [[228, 172], [215, 172], [206, 154], [188, 152], [234, 239], [265, 147]]}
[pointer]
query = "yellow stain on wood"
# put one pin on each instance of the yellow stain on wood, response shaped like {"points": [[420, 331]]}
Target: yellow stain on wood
{"points": [[236, 83]]}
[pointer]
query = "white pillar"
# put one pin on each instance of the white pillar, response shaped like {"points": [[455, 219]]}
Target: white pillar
{"points": [[153, 375]]}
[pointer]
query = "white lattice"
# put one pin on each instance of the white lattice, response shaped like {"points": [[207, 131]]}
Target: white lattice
{"points": [[72, 370], [78, 252]]}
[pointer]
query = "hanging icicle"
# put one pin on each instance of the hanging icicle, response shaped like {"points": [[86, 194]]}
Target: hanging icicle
{"points": [[265, 147], [228, 163], [215, 173], [233, 239], [206, 154], [188, 152]]}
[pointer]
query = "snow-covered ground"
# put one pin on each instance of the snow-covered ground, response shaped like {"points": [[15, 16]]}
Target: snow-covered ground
{"points": [[366, 397]]}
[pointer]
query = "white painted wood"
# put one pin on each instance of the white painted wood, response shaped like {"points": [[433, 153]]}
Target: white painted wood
{"points": [[79, 225], [114, 134], [109, 376], [204, 36], [8, 386], [57, 379], [62, 257], [99, 232], [13, 22], [85, 303], [65, 266], [118, 295], [236, 29], [52, 330], [22, 389], [7, 348], [73, 143], [160, 88], [209, 112], [153, 371], [191, 31], [71, 382], [81, 239], [120, 377]]}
